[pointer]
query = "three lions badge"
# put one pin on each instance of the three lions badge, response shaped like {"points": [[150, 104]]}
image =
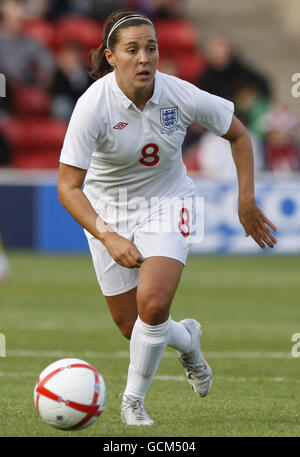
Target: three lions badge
{"points": [[169, 120]]}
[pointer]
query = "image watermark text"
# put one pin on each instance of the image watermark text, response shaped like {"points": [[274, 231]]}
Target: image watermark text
{"points": [[2, 345], [296, 87], [295, 352], [2, 85], [184, 215]]}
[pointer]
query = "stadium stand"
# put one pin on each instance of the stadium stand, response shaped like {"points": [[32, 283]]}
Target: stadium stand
{"points": [[36, 141], [81, 30], [42, 31], [43, 104]]}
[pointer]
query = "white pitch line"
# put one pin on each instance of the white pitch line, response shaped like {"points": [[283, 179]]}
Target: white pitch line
{"points": [[66, 354], [217, 378], [230, 378], [12, 374], [248, 355], [169, 378], [166, 378], [50, 325], [125, 354]]}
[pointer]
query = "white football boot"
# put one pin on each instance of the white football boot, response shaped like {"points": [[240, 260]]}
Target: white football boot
{"points": [[133, 412], [197, 370]]}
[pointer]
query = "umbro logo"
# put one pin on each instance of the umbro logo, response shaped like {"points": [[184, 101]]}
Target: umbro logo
{"points": [[120, 125]]}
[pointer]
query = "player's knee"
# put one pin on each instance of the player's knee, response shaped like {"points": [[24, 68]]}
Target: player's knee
{"points": [[153, 307]]}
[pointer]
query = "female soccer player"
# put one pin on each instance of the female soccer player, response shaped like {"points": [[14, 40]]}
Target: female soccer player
{"points": [[124, 143]]}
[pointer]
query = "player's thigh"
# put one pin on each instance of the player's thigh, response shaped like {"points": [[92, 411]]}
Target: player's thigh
{"points": [[165, 247], [118, 285], [113, 279], [159, 277]]}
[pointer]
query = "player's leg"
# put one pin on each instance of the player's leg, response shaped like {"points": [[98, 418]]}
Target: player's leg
{"points": [[158, 281], [159, 277], [165, 253], [118, 285], [153, 331], [123, 308]]}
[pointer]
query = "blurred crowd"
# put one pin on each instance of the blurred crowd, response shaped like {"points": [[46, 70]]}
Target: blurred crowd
{"points": [[44, 46]]}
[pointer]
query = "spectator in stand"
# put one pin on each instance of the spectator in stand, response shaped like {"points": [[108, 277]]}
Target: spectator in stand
{"points": [[226, 71], [5, 151], [36, 8], [214, 159], [100, 10], [70, 80], [282, 148], [159, 9], [22, 60], [96, 9], [252, 107], [57, 9], [81, 7], [228, 77], [6, 103]]}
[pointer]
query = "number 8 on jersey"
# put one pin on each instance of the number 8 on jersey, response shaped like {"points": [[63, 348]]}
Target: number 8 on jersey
{"points": [[154, 158]]}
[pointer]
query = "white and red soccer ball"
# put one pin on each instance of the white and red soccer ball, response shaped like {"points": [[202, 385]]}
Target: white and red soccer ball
{"points": [[70, 394]]}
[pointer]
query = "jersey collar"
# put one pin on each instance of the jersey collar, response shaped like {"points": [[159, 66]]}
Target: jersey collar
{"points": [[126, 102]]}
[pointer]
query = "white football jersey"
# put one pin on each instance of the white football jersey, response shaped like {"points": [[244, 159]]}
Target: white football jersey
{"points": [[124, 148]]}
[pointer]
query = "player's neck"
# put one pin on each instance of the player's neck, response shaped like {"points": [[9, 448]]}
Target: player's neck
{"points": [[139, 96]]}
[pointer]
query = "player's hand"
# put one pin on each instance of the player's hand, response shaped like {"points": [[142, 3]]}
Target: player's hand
{"points": [[257, 225], [123, 251]]}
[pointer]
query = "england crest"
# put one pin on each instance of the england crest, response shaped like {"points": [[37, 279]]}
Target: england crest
{"points": [[169, 119]]}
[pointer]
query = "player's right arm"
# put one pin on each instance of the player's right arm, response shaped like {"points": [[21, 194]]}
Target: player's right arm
{"points": [[69, 185]]}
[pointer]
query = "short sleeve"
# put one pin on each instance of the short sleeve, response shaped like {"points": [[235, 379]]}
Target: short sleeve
{"points": [[212, 112], [82, 133]]}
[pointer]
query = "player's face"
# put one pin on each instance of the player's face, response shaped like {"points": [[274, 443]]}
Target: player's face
{"points": [[135, 58]]}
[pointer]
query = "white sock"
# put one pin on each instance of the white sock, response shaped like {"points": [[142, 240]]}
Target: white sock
{"points": [[147, 345], [179, 337]]}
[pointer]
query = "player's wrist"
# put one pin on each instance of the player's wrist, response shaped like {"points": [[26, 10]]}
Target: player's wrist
{"points": [[246, 198], [104, 231]]}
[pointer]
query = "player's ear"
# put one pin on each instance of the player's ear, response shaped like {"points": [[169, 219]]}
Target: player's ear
{"points": [[109, 56]]}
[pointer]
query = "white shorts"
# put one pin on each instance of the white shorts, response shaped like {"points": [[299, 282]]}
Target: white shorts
{"points": [[163, 231]]}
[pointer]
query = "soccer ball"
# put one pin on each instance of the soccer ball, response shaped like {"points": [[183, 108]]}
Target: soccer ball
{"points": [[70, 394]]}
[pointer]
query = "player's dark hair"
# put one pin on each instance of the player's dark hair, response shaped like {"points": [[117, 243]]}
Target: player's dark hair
{"points": [[97, 59]]}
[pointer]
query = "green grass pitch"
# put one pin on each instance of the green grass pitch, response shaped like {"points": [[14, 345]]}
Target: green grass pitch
{"points": [[249, 308]]}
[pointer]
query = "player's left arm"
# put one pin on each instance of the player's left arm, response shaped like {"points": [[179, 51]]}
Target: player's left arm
{"points": [[254, 221]]}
